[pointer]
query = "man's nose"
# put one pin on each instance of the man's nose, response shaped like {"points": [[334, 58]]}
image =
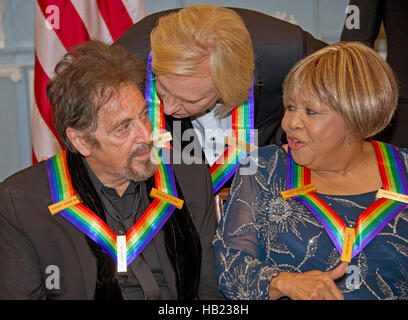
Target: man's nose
{"points": [[143, 132]]}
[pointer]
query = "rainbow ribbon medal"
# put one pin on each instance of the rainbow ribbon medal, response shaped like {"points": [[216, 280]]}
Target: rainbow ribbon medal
{"points": [[242, 127], [374, 218], [147, 226]]}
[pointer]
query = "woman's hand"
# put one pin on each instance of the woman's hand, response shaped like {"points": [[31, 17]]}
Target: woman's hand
{"points": [[312, 285]]}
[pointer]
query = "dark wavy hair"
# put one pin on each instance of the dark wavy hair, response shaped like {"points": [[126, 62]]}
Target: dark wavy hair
{"points": [[86, 78]]}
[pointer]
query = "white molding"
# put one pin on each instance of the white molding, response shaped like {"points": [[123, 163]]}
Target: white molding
{"points": [[2, 33], [11, 71]]}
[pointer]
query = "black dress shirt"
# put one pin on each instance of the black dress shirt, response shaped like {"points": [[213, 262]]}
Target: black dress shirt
{"points": [[144, 278]]}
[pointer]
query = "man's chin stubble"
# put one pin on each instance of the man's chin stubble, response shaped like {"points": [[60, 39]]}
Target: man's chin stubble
{"points": [[145, 170]]}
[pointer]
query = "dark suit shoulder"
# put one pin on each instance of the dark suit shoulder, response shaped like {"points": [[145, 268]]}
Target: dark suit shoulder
{"points": [[28, 181], [26, 194], [137, 38], [32, 240], [27, 174]]}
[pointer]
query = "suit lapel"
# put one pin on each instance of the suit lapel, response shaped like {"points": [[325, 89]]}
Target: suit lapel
{"points": [[87, 262], [167, 268]]}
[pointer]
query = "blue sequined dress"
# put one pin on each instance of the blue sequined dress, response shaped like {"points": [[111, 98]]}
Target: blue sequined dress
{"points": [[261, 234]]}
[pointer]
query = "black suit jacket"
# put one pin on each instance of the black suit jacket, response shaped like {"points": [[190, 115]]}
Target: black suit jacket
{"points": [[394, 14], [277, 44], [31, 239]]}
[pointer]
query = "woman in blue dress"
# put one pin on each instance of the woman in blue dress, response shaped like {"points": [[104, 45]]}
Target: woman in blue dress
{"points": [[271, 248]]}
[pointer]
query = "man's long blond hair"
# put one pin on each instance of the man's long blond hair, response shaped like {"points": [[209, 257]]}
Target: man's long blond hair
{"points": [[185, 40]]}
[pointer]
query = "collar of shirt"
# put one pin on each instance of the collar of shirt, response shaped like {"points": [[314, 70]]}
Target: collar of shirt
{"points": [[119, 208], [212, 132]]}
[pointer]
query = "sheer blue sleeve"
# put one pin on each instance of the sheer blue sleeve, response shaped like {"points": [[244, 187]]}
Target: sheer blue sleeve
{"points": [[242, 266]]}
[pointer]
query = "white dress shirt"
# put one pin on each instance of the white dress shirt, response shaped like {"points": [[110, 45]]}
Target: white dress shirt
{"points": [[212, 132]]}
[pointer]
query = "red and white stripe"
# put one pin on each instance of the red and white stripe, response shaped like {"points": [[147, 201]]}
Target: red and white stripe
{"points": [[80, 21]]}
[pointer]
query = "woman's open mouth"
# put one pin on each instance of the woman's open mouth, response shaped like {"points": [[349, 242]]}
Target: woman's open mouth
{"points": [[294, 143]]}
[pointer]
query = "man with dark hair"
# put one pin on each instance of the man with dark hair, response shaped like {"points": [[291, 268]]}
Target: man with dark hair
{"points": [[81, 225]]}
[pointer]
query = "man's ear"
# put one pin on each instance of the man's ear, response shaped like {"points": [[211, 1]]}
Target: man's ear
{"points": [[79, 141]]}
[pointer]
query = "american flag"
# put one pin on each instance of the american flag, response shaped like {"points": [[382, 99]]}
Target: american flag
{"points": [[59, 25]]}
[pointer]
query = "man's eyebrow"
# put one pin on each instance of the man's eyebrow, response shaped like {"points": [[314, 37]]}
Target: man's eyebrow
{"points": [[144, 108], [119, 124]]}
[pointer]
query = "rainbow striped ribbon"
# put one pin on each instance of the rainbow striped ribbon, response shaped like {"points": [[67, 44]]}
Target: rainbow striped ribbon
{"points": [[155, 104], [242, 126], [374, 218], [79, 215], [155, 108], [146, 227], [156, 215]]}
